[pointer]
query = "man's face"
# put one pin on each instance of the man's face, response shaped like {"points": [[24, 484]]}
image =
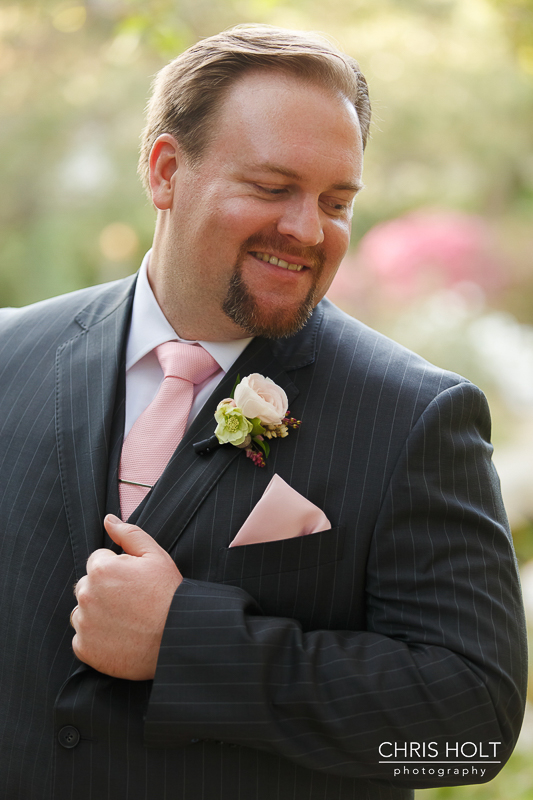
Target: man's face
{"points": [[253, 236]]}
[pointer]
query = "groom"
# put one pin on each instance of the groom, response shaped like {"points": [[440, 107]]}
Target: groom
{"points": [[305, 667]]}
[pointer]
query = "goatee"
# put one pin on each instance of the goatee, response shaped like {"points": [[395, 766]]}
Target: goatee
{"points": [[242, 307]]}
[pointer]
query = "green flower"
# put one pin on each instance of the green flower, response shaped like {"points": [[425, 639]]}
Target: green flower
{"points": [[233, 427]]}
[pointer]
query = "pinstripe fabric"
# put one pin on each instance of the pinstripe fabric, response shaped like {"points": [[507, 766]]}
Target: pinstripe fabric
{"points": [[283, 665]]}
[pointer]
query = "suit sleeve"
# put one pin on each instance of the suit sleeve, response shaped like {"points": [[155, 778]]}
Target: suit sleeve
{"points": [[442, 659]]}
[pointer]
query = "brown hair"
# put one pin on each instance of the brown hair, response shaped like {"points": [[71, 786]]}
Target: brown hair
{"points": [[189, 90]]}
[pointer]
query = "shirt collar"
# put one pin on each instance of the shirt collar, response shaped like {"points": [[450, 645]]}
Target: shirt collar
{"points": [[149, 327]]}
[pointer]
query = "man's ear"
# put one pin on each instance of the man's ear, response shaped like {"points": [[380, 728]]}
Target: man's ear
{"points": [[164, 160]]}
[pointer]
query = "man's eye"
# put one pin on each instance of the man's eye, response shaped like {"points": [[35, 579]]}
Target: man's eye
{"points": [[270, 189], [336, 206]]}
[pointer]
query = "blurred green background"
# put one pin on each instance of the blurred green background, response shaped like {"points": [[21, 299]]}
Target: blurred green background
{"points": [[442, 248]]}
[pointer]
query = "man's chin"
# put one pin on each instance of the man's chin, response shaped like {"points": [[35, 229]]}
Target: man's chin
{"points": [[256, 319], [276, 327]]}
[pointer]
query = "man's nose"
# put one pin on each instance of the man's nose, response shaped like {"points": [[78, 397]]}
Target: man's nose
{"points": [[301, 221]]}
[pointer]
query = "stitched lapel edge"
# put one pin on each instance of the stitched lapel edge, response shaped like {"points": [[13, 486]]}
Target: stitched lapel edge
{"points": [[86, 377]]}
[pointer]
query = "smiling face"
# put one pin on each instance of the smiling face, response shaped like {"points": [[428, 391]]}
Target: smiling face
{"points": [[248, 241]]}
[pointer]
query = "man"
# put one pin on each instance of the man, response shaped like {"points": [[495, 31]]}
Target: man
{"points": [[306, 667]]}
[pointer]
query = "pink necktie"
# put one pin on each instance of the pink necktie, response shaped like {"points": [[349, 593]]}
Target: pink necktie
{"points": [[157, 432]]}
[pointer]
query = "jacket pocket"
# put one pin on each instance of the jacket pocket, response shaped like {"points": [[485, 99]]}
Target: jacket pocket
{"points": [[290, 577], [285, 555]]}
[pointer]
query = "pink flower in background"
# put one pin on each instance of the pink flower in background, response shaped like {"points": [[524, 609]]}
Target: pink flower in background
{"points": [[419, 253]]}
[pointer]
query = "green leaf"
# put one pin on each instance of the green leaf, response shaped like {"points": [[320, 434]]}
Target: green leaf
{"points": [[257, 428], [264, 445], [238, 380]]}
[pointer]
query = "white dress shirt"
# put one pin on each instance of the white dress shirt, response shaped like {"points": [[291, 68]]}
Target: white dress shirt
{"points": [[148, 328]]}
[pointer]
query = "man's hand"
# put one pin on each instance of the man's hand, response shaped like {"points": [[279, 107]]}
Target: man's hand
{"points": [[123, 603]]}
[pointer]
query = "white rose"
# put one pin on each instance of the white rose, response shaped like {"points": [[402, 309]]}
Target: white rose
{"points": [[260, 397]]}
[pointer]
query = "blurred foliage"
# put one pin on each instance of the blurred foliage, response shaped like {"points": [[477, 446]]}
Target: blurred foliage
{"points": [[515, 782], [453, 117], [518, 19], [523, 542], [452, 90]]}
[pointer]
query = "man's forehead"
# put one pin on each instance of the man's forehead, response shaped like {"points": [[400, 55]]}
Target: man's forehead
{"points": [[281, 125], [263, 84]]}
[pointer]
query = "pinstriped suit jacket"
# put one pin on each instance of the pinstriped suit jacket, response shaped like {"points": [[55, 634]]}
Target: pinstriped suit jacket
{"points": [[284, 666]]}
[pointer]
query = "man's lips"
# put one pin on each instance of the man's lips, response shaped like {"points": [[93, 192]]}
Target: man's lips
{"points": [[279, 262]]}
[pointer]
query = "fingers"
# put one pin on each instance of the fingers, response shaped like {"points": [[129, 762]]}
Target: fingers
{"points": [[133, 540], [71, 615], [77, 587], [123, 604], [99, 557]]}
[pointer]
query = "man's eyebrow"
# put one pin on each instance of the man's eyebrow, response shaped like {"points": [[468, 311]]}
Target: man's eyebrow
{"points": [[349, 187], [277, 169]]}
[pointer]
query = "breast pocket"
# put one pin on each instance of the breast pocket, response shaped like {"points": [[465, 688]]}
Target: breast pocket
{"points": [[289, 578]]}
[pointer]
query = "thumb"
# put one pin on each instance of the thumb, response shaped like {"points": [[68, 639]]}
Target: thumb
{"points": [[133, 540]]}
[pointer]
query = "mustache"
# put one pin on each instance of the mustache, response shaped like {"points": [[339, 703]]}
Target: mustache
{"points": [[259, 243]]}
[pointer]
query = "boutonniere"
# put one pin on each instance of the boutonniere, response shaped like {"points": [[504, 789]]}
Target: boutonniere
{"points": [[254, 414]]}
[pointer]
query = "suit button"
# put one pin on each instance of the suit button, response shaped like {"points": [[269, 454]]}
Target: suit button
{"points": [[69, 736]]}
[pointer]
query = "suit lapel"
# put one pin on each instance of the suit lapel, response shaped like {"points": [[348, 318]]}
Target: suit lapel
{"points": [[190, 477], [87, 368]]}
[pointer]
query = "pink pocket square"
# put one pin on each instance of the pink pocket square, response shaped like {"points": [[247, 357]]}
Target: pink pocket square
{"points": [[281, 513]]}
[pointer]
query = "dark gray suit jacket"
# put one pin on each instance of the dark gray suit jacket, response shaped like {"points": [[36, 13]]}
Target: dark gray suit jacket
{"points": [[284, 666]]}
